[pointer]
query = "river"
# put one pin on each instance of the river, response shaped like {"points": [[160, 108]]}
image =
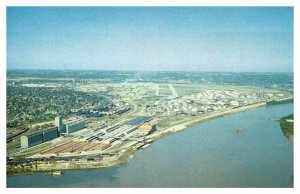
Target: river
{"points": [[206, 155]]}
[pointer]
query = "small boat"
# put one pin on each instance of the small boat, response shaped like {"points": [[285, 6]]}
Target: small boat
{"points": [[57, 173], [239, 130]]}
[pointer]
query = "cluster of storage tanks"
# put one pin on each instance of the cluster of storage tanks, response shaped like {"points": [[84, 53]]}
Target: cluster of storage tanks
{"points": [[51, 133]]}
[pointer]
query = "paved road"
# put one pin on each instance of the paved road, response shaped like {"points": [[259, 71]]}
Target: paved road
{"points": [[174, 92], [157, 90]]}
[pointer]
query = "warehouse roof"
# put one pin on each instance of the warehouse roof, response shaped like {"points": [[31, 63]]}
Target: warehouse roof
{"points": [[137, 120], [40, 131]]}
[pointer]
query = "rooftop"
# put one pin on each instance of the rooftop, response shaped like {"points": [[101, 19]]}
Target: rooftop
{"points": [[138, 120]]}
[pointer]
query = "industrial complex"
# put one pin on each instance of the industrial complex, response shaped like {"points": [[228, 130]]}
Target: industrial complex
{"points": [[91, 140], [61, 128], [102, 132]]}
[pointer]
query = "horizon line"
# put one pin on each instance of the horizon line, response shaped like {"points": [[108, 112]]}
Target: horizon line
{"points": [[122, 70]]}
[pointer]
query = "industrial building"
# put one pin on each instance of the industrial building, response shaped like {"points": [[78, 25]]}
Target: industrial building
{"points": [[74, 126], [138, 120], [50, 134], [60, 128], [31, 140], [59, 124], [70, 126], [146, 129]]}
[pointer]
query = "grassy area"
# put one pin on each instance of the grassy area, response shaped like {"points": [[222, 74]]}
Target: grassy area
{"points": [[147, 98], [150, 92], [171, 121], [184, 90], [37, 148], [164, 90], [150, 95], [287, 127], [189, 89]]}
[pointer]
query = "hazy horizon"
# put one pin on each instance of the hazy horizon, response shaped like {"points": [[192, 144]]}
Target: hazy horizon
{"points": [[202, 39], [31, 69]]}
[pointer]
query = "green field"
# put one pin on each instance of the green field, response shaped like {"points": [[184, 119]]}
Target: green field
{"points": [[185, 89], [189, 89], [150, 96], [150, 93], [164, 90], [171, 121], [36, 148]]}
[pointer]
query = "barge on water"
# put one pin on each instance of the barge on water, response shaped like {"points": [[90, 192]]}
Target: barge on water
{"points": [[57, 173], [145, 146]]}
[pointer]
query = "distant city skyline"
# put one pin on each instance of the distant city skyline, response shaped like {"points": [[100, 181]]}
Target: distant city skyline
{"points": [[232, 39]]}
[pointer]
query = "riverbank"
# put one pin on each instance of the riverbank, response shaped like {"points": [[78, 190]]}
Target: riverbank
{"points": [[185, 159], [198, 120], [287, 126], [122, 156], [76, 164]]}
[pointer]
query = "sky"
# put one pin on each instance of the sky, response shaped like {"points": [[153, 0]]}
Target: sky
{"points": [[233, 39]]}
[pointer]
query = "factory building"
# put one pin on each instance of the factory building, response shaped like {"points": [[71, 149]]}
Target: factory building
{"points": [[74, 126], [30, 140], [138, 120], [60, 128], [146, 129], [59, 124], [69, 127], [33, 139], [50, 134]]}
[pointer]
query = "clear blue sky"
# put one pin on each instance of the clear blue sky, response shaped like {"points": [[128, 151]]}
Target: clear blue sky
{"points": [[151, 38]]}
